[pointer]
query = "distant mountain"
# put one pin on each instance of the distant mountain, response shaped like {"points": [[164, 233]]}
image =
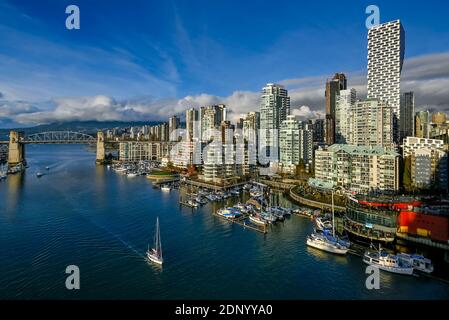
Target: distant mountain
{"points": [[89, 127]]}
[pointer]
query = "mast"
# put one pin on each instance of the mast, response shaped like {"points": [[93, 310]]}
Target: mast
{"points": [[333, 217]]}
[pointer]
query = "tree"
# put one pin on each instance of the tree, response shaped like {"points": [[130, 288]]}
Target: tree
{"points": [[407, 176]]}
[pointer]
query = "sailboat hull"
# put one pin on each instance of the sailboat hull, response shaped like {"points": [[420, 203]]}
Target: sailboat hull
{"points": [[326, 247], [154, 258]]}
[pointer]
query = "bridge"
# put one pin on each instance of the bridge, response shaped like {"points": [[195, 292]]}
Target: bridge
{"points": [[17, 142]]}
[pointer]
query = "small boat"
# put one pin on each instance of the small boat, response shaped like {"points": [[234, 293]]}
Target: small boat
{"points": [[230, 213], [47, 168], [211, 197], [268, 217], [155, 254], [131, 174], [321, 242], [235, 192], [387, 262], [418, 262], [192, 203], [257, 219], [39, 174], [165, 188]]}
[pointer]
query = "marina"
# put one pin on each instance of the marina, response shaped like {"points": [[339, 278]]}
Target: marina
{"points": [[124, 224]]}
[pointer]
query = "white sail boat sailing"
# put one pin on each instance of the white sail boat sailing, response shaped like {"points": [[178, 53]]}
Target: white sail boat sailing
{"points": [[155, 254]]}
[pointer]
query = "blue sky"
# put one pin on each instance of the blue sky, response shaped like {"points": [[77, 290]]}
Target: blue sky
{"points": [[152, 55]]}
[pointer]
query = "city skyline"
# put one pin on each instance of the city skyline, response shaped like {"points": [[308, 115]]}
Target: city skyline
{"points": [[425, 72]]}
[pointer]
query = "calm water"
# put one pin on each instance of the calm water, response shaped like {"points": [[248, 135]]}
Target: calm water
{"points": [[102, 222]]}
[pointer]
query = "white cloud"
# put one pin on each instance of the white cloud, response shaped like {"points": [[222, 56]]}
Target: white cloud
{"points": [[427, 76]]}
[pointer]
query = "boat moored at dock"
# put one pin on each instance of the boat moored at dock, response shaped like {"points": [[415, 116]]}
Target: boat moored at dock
{"points": [[387, 262], [418, 262]]}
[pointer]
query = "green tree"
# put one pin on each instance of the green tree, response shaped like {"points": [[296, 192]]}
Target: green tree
{"points": [[407, 176]]}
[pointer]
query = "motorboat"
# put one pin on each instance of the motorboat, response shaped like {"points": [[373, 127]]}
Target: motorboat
{"points": [[165, 188], [230, 213], [321, 242], [257, 219], [387, 262], [418, 262]]}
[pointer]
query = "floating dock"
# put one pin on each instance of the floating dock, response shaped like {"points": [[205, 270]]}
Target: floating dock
{"points": [[243, 223]]}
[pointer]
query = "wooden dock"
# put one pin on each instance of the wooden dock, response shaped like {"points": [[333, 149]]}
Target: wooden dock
{"points": [[243, 223]]}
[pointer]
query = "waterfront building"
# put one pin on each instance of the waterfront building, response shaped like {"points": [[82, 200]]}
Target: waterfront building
{"points": [[422, 124], [133, 151], [192, 124], [375, 218], [372, 124], [361, 169], [386, 47], [344, 119], [274, 108], [428, 162], [211, 118], [407, 119], [333, 88]]}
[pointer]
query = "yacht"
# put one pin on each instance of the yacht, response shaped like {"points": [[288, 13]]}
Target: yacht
{"points": [[320, 241], [165, 188], [387, 262], [230, 213], [257, 219], [418, 262], [155, 254]]}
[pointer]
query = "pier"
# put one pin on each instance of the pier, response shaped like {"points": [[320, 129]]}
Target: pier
{"points": [[243, 223]]}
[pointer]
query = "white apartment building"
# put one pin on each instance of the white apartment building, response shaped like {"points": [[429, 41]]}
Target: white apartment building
{"points": [[386, 47], [343, 116], [360, 169]]}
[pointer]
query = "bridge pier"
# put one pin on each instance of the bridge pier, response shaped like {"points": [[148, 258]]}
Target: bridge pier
{"points": [[101, 153], [16, 151]]}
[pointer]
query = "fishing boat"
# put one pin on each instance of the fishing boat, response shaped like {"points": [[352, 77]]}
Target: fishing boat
{"points": [[387, 262], [165, 188], [155, 254], [418, 262], [321, 242], [257, 219]]}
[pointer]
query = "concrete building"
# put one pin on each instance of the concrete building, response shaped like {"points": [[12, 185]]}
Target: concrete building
{"points": [[318, 128], [274, 108], [211, 118], [173, 124], [386, 47], [193, 129], [133, 151], [422, 124], [372, 124], [333, 88], [344, 108], [360, 169], [407, 119], [296, 144], [428, 162]]}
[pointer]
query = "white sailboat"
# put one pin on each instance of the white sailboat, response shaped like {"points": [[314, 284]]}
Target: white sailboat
{"points": [[325, 242], [155, 254]]}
